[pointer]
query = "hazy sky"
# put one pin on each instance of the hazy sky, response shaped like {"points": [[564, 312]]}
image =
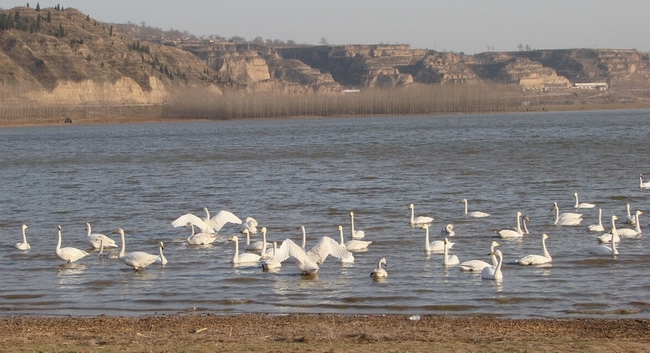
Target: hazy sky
{"points": [[469, 26]]}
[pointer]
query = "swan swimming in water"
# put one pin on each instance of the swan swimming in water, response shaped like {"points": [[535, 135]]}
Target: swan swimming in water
{"points": [[509, 233], [629, 233], [308, 261], [420, 220], [24, 245], [256, 245], [435, 246], [250, 224], [613, 234], [448, 231], [379, 272], [163, 259], [68, 254], [582, 205], [567, 219], [355, 234], [207, 224], [494, 272], [597, 227], [537, 259], [478, 265], [604, 249], [93, 239], [137, 260], [353, 244], [643, 185], [448, 260], [200, 238], [475, 214], [246, 257]]}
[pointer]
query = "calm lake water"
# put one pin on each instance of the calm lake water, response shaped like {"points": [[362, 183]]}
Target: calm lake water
{"points": [[313, 172]]}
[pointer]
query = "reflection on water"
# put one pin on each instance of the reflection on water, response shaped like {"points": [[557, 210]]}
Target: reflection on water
{"points": [[287, 173]]}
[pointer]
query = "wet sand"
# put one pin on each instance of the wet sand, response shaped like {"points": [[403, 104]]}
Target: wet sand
{"points": [[319, 333]]}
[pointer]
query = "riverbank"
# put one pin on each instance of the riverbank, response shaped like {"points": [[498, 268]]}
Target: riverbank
{"points": [[319, 333]]}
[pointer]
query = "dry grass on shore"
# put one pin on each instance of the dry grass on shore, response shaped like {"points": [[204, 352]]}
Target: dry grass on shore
{"points": [[319, 333]]}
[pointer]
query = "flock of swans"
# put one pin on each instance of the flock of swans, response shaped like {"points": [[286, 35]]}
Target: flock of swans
{"points": [[270, 256]]}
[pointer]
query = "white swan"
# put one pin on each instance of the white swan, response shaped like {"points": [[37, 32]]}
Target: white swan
{"points": [[604, 249], [478, 265], [627, 232], [136, 259], [494, 272], [416, 221], [448, 260], [435, 246], [510, 233], [582, 205], [93, 239], [597, 227], [246, 257], [537, 259], [613, 234], [24, 245], [379, 272], [567, 219], [355, 234], [308, 261], [256, 245], [200, 238], [448, 230], [264, 252], [250, 224], [353, 244], [643, 185], [68, 254], [476, 214], [207, 224]]}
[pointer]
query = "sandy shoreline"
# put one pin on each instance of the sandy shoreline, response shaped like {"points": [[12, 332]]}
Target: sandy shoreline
{"points": [[319, 333]]}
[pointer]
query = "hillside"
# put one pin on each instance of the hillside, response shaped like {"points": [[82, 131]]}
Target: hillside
{"points": [[62, 57]]}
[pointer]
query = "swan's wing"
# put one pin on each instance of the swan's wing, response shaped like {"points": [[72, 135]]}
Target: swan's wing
{"points": [[326, 247], [287, 249], [221, 218], [190, 218]]}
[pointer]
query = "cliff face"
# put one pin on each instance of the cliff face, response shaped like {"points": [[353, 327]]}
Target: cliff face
{"points": [[58, 56], [73, 59]]}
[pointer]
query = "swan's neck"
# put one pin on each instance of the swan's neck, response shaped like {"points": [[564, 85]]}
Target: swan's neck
{"points": [[600, 215], [576, 196], [523, 221], [519, 225], [557, 214], [264, 243], [101, 246], [614, 236], [352, 226], [58, 243], [88, 226], [234, 259], [207, 214], [341, 236], [427, 247], [123, 249], [248, 238], [444, 249], [304, 237], [163, 260], [629, 215], [637, 226], [546, 254], [24, 236], [412, 215], [465, 202], [499, 261]]}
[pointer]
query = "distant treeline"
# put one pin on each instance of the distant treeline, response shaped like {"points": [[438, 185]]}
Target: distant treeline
{"points": [[440, 99]]}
